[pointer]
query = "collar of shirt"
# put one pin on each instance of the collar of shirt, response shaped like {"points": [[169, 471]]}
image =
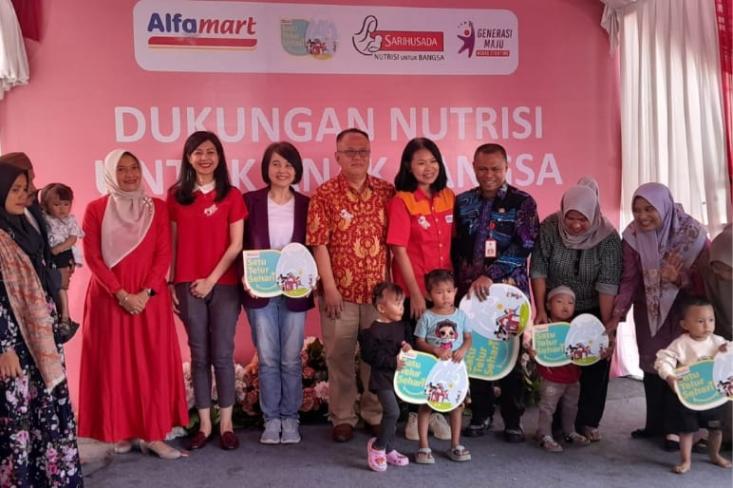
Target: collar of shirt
{"points": [[365, 191], [500, 194], [207, 188]]}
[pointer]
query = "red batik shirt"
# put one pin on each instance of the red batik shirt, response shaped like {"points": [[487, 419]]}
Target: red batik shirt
{"points": [[422, 225], [353, 226]]}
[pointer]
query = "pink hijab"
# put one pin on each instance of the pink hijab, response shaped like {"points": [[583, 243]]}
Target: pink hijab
{"points": [[679, 233], [128, 215], [583, 198]]}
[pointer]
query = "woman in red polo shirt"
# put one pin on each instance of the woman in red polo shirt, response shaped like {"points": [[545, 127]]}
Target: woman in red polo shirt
{"points": [[207, 221], [419, 235]]}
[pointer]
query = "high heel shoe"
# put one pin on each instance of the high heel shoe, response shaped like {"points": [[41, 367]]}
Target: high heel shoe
{"points": [[160, 449]]}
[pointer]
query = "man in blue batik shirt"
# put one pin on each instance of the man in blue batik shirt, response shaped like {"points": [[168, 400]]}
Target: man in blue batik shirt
{"points": [[496, 226]]}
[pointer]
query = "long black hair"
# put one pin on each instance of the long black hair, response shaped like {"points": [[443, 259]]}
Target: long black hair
{"points": [[183, 188], [405, 180]]}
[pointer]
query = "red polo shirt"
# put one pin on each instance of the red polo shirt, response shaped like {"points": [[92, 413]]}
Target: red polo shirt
{"points": [[424, 226], [203, 234], [566, 375]]}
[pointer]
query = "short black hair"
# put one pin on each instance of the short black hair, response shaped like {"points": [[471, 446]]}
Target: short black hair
{"points": [[383, 288], [490, 149], [287, 151], [690, 302], [438, 276], [351, 130], [405, 180]]}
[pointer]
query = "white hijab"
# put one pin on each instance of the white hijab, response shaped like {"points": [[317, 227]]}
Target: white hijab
{"points": [[128, 215]]}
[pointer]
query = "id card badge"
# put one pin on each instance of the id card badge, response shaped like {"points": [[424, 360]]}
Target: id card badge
{"points": [[490, 250]]}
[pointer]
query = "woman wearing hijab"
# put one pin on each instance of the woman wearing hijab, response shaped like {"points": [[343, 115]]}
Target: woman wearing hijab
{"points": [[719, 281], [664, 253], [131, 375], [578, 247], [37, 428]]}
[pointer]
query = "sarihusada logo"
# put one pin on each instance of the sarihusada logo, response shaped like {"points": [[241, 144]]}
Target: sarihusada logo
{"points": [[370, 40], [174, 30]]}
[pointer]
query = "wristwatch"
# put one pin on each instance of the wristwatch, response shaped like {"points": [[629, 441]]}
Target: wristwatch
{"points": [[150, 292]]}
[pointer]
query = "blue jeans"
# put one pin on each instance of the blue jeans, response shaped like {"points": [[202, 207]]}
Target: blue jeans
{"points": [[278, 335]]}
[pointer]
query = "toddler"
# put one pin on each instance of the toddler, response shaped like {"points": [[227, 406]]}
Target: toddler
{"points": [[560, 383], [697, 343], [442, 331], [63, 233], [380, 346]]}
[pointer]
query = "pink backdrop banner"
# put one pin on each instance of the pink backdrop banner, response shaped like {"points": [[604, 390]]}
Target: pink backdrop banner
{"points": [[94, 87]]}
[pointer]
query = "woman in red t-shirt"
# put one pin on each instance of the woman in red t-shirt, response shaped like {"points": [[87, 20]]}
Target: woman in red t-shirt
{"points": [[419, 235], [207, 221]]}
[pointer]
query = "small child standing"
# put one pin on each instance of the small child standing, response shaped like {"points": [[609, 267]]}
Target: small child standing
{"points": [[697, 343], [442, 331], [560, 383], [380, 346], [63, 233]]}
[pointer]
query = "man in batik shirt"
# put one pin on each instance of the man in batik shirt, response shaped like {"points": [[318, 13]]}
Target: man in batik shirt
{"points": [[496, 226]]}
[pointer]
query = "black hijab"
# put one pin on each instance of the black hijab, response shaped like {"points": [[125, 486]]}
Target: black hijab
{"points": [[20, 229]]}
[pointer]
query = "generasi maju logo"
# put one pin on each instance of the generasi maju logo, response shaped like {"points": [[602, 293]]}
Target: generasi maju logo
{"points": [[484, 41], [397, 45], [173, 30]]}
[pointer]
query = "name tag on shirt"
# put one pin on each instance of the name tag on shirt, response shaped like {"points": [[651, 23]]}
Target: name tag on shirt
{"points": [[490, 249]]}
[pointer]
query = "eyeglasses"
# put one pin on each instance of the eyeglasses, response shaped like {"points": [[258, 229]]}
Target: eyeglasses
{"points": [[352, 153]]}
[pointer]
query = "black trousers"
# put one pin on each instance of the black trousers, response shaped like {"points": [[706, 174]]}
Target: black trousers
{"points": [[511, 401], [593, 392], [659, 405]]}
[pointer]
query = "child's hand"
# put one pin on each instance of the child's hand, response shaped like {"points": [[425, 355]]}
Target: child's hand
{"points": [[406, 347], [532, 353], [723, 347], [671, 381], [400, 362], [442, 354], [458, 355]]}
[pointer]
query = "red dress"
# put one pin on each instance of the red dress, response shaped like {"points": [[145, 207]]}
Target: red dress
{"points": [[131, 370]]}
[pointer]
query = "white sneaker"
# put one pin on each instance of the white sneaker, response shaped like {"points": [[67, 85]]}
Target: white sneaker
{"points": [[271, 435], [290, 432], [411, 433], [439, 426]]}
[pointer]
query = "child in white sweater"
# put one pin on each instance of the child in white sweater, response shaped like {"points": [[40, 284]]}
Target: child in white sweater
{"points": [[697, 343]]}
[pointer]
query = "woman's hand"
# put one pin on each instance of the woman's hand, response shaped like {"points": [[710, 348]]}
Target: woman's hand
{"points": [[541, 317], [480, 287], [247, 289], [138, 302], [174, 298], [201, 288], [417, 305], [671, 269], [9, 365]]}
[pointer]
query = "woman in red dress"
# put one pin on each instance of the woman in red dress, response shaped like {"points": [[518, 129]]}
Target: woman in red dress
{"points": [[131, 373]]}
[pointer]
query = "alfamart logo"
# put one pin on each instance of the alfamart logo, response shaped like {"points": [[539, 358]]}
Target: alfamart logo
{"points": [[174, 30]]}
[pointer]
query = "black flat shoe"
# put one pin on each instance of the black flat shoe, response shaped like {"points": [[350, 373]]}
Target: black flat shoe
{"points": [[641, 434], [671, 446]]}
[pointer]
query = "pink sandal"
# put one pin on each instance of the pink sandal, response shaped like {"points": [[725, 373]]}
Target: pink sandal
{"points": [[376, 459], [397, 459]]}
